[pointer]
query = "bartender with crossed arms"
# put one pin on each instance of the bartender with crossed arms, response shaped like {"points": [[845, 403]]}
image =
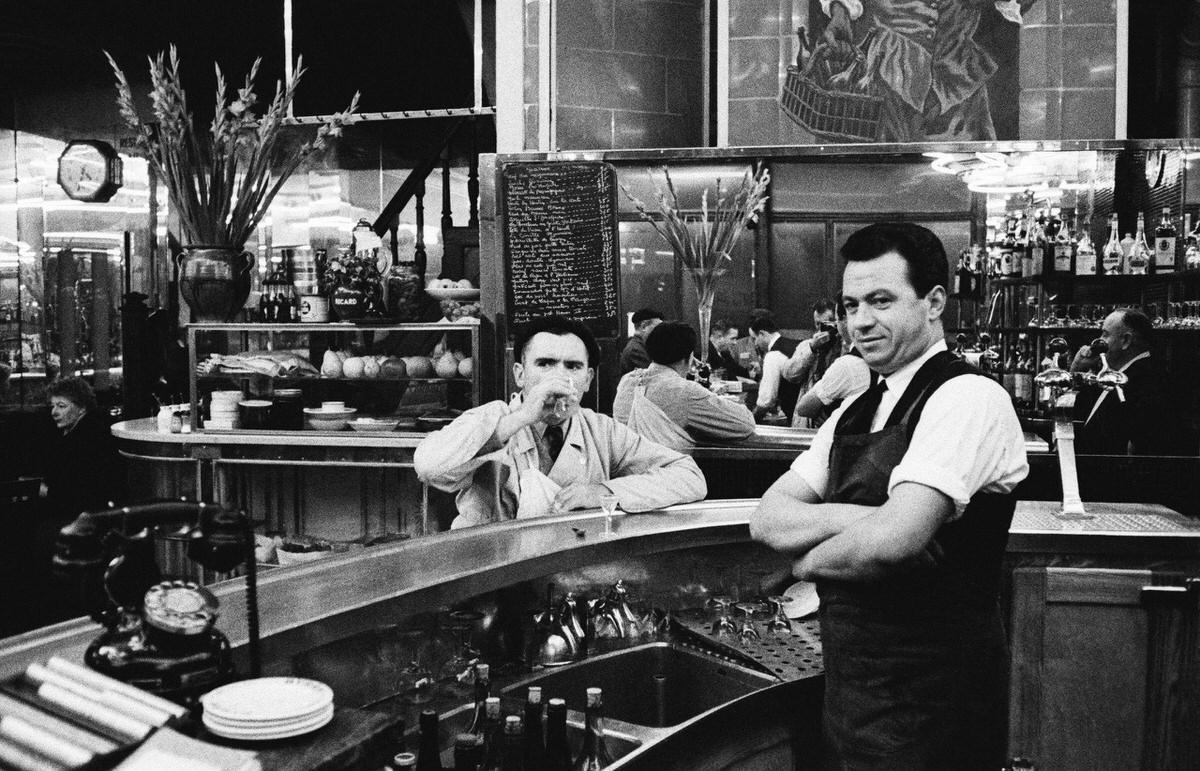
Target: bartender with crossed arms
{"points": [[900, 512]]}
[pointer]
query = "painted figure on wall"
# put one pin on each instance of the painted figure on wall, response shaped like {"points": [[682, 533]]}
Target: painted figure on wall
{"points": [[914, 70]]}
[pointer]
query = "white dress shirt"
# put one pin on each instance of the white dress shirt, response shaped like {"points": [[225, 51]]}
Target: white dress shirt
{"points": [[968, 438]]}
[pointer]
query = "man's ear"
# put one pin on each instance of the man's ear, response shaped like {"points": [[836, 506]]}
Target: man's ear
{"points": [[937, 302], [519, 374]]}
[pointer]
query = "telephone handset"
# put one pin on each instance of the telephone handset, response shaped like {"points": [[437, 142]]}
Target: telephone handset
{"points": [[160, 634]]}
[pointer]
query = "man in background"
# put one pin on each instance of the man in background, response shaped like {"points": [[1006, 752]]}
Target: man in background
{"points": [[773, 390], [722, 350], [661, 404], [1135, 426], [634, 355]]}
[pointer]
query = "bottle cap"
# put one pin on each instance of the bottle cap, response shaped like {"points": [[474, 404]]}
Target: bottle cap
{"points": [[557, 703], [467, 741], [512, 724], [492, 705], [535, 695], [595, 697], [482, 671], [405, 760]]}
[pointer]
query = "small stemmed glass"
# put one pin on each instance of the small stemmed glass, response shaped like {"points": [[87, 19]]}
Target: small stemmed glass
{"points": [[456, 671], [415, 681], [723, 622], [748, 631], [608, 504], [779, 625]]}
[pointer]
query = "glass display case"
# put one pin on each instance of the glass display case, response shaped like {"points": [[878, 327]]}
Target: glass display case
{"points": [[330, 377]]}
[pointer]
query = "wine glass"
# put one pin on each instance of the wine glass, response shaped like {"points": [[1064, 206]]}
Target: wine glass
{"points": [[414, 679], [608, 504], [748, 630], [455, 672], [723, 623], [779, 625]]}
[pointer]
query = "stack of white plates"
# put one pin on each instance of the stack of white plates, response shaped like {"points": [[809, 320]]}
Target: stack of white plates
{"points": [[267, 708]]}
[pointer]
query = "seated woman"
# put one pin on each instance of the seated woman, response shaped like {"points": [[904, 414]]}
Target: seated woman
{"points": [[661, 404], [81, 467]]}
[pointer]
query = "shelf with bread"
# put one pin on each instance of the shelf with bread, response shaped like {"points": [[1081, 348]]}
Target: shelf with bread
{"points": [[272, 377]]}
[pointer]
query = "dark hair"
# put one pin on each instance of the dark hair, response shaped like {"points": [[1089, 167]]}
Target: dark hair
{"points": [[824, 305], [921, 249], [74, 389], [645, 314], [1138, 324], [670, 341], [556, 325], [761, 320], [720, 327]]}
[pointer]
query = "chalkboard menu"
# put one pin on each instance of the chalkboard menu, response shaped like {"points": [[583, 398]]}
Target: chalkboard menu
{"points": [[560, 242]]}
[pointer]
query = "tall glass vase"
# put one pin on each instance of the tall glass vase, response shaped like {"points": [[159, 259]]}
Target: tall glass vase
{"points": [[706, 292]]}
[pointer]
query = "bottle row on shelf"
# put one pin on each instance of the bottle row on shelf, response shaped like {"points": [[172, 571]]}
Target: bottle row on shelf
{"points": [[1040, 244], [1017, 366]]}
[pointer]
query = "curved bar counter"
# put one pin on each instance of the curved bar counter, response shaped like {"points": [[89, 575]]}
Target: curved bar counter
{"points": [[308, 606]]}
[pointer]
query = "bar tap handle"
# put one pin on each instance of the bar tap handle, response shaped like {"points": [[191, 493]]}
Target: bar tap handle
{"points": [[1107, 378], [1060, 383]]}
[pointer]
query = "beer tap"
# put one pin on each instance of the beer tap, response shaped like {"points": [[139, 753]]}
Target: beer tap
{"points": [[1063, 388]]}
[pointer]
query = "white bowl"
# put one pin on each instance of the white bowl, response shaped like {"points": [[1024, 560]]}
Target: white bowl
{"points": [[328, 420], [374, 424]]}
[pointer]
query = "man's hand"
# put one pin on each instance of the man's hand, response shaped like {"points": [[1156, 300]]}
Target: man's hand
{"points": [[1085, 360], [838, 35], [821, 341], [538, 404], [581, 495]]}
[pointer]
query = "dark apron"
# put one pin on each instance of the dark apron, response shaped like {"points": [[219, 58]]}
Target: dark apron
{"points": [[916, 665]]}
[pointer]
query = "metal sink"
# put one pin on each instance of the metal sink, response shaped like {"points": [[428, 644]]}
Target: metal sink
{"points": [[657, 685]]}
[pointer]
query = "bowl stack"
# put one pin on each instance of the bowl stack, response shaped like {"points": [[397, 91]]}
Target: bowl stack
{"points": [[267, 708], [330, 416]]}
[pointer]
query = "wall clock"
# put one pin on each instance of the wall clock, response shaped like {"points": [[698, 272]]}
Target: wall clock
{"points": [[89, 170]]}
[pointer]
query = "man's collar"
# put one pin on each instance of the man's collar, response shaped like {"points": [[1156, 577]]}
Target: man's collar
{"points": [[661, 369], [899, 380], [1139, 357], [772, 337]]}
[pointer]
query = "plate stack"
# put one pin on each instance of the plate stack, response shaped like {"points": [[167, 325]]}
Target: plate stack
{"points": [[267, 708]]}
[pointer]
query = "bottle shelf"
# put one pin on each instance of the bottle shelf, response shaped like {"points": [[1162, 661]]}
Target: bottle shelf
{"points": [[312, 379]]}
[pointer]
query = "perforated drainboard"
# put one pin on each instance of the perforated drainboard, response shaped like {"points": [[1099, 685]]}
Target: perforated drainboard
{"points": [[790, 657], [1101, 520]]}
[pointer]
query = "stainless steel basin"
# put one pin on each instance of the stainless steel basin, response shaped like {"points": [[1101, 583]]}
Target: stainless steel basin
{"points": [[657, 685]]}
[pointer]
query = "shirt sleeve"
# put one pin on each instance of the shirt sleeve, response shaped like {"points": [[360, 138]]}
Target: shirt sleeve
{"points": [[448, 458], [847, 376], [644, 475], [796, 368], [710, 415], [768, 389], [968, 440]]}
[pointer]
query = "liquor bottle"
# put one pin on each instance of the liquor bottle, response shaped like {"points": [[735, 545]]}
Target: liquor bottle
{"points": [[511, 754], [1023, 259], [1140, 256], [962, 274], [1023, 381], [534, 751], [1064, 246], [429, 752], [1165, 237], [558, 752], [1127, 246], [595, 754], [1191, 252], [1008, 374], [468, 752], [493, 727], [1085, 251], [1037, 246], [1111, 258], [976, 268], [1008, 248], [482, 691]]}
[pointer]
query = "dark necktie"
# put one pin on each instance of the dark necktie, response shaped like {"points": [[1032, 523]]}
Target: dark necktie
{"points": [[870, 401], [554, 441]]}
